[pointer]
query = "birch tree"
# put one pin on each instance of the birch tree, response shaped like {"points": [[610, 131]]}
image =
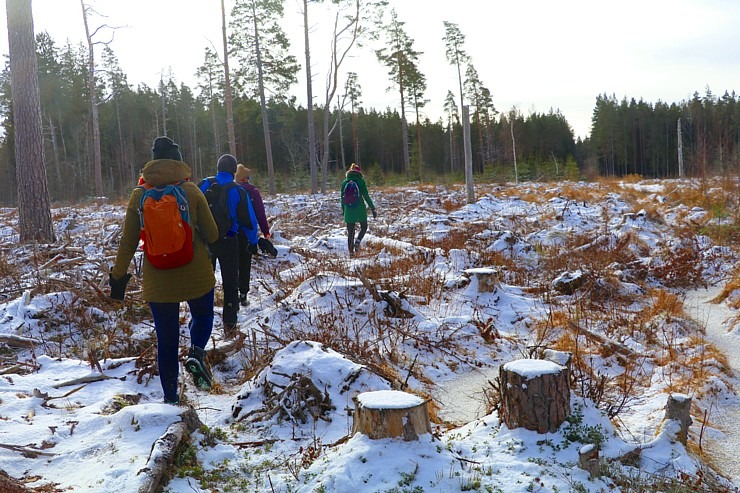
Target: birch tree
{"points": [[92, 94], [353, 21]]}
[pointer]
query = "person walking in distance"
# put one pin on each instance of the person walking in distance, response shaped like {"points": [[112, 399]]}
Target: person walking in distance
{"points": [[242, 178], [354, 196], [230, 207], [166, 285]]}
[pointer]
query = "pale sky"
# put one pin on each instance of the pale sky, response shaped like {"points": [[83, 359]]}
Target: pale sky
{"points": [[532, 54]]}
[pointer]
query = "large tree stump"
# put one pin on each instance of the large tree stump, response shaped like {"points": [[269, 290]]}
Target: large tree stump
{"points": [[390, 413], [534, 395], [488, 278]]}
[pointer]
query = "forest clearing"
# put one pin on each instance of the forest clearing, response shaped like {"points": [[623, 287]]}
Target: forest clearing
{"points": [[609, 272]]}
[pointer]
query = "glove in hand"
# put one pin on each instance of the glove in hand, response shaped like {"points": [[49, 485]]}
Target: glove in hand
{"points": [[375, 214], [118, 286]]}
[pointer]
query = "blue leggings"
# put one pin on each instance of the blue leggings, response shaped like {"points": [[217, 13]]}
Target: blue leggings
{"points": [[167, 324]]}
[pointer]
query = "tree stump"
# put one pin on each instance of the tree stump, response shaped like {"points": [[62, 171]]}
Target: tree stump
{"points": [[390, 413], [678, 408], [534, 395], [488, 279], [588, 460]]}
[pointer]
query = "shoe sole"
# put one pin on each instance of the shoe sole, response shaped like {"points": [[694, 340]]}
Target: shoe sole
{"points": [[200, 377]]}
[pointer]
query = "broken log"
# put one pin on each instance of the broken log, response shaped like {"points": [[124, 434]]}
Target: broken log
{"points": [[164, 450]]}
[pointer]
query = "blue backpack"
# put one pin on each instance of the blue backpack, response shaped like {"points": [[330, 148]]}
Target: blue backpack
{"points": [[351, 194]]}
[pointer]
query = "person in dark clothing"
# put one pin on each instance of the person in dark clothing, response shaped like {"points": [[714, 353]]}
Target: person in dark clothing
{"points": [[226, 250], [165, 289], [242, 177], [358, 212]]}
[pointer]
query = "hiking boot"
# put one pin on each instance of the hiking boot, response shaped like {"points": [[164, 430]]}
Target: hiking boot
{"points": [[243, 301], [198, 368], [175, 402], [231, 330]]}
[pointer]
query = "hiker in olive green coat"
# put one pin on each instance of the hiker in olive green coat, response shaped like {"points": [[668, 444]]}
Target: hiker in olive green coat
{"points": [[164, 289], [356, 213]]}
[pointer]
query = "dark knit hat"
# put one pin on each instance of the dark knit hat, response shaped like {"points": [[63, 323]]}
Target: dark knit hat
{"points": [[164, 148], [227, 163]]}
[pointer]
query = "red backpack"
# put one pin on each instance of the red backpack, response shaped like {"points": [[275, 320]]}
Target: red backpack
{"points": [[165, 226]]}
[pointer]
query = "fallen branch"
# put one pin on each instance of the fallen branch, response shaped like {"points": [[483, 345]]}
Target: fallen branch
{"points": [[87, 379], [18, 341], [257, 443], [368, 285], [26, 451]]}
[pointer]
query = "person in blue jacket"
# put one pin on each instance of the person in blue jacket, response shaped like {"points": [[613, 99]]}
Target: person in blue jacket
{"points": [[226, 250]]}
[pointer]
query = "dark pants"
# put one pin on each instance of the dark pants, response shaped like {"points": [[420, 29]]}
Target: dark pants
{"points": [[351, 234], [167, 324], [226, 251], [245, 264]]}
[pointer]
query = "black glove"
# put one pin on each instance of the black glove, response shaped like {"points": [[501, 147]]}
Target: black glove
{"points": [[267, 247], [253, 248], [118, 286], [375, 214]]}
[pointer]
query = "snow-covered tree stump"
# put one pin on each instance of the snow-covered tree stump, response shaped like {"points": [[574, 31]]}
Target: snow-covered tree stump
{"points": [[488, 279], [534, 395], [678, 408], [588, 459], [390, 413]]}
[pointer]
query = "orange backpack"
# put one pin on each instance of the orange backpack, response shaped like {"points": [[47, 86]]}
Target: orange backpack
{"points": [[165, 226]]}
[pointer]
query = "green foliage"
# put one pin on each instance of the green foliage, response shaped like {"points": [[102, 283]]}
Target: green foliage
{"points": [[576, 431]]}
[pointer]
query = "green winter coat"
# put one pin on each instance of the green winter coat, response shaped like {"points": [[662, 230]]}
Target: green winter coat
{"points": [[183, 283], [358, 213]]}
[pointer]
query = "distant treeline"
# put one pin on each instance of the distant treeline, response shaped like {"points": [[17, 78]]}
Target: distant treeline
{"points": [[628, 137]]}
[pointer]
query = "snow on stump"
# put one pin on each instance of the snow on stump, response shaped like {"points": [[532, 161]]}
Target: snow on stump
{"points": [[390, 413], [678, 408], [534, 395], [488, 279]]}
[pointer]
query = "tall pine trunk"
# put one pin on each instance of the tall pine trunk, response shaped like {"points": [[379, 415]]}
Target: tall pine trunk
{"points": [[34, 211]]}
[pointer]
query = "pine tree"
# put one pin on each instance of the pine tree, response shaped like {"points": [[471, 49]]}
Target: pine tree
{"points": [[34, 210]]}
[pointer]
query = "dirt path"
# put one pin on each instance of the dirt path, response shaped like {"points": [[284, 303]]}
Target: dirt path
{"points": [[726, 413]]}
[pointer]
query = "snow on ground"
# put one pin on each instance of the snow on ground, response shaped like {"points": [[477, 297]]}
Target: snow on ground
{"points": [[409, 313]]}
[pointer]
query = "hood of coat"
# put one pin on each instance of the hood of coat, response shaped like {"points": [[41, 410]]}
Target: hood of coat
{"points": [[165, 171], [353, 175]]}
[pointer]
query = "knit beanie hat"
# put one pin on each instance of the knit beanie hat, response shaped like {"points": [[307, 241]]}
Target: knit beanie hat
{"points": [[227, 163], [165, 148], [242, 173], [354, 167]]}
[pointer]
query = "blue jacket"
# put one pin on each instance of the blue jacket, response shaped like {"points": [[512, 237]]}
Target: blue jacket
{"points": [[232, 201]]}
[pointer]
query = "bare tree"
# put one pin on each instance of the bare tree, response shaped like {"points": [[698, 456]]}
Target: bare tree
{"points": [[227, 89], [309, 105], [97, 165], [34, 211], [347, 29]]}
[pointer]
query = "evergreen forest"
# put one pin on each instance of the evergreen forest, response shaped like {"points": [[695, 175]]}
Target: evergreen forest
{"points": [[628, 136]]}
